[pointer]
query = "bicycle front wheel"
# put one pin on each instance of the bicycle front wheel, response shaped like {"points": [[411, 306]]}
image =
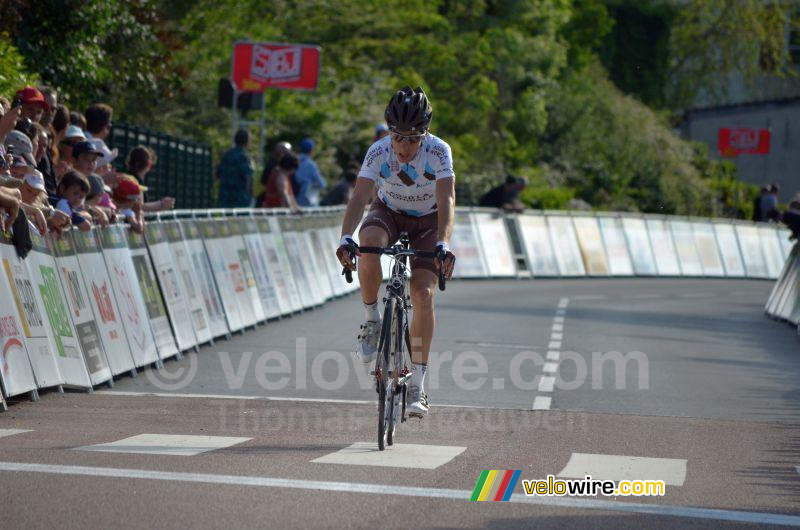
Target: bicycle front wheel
{"points": [[384, 378]]}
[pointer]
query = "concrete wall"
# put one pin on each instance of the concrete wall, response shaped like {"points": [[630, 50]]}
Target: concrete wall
{"points": [[781, 165]]}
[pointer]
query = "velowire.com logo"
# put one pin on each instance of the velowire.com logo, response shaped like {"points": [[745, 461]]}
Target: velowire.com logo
{"points": [[494, 485]]}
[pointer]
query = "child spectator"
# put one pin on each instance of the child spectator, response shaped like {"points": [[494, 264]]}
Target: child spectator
{"points": [[140, 161], [72, 191], [128, 196]]}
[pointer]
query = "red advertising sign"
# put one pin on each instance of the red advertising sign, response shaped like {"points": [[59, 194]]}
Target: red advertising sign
{"points": [[260, 65], [734, 141]]}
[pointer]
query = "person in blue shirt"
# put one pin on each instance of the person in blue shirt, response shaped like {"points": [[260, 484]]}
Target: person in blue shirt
{"points": [[235, 173], [307, 182]]}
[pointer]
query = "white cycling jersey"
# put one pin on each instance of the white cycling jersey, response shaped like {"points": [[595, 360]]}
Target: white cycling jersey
{"points": [[408, 188]]}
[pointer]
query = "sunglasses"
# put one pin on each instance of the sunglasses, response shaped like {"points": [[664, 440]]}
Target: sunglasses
{"points": [[410, 138]]}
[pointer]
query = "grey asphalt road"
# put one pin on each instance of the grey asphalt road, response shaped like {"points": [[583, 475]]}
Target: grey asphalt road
{"points": [[703, 386]]}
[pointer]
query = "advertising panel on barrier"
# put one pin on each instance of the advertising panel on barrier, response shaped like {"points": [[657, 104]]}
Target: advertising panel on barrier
{"points": [[77, 297], [792, 308], [299, 267], [285, 289], [264, 282], [539, 253], [320, 285], [133, 312], [771, 245], [781, 301], [496, 245], [327, 247], [173, 289], [619, 259], [752, 253], [219, 268], [153, 299], [685, 246], [644, 262], [706, 243], [322, 253], [16, 372], [236, 243], [729, 249], [466, 246], [188, 282], [666, 257], [31, 316], [565, 244], [591, 245], [103, 302], [47, 290], [200, 269], [786, 242]]}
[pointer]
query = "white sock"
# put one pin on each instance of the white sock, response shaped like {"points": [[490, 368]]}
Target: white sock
{"points": [[419, 375], [371, 312]]}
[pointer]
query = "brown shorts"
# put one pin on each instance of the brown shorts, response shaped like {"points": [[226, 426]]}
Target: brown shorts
{"points": [[422, 231]]}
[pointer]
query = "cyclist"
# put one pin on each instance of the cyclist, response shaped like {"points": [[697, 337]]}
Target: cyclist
{"points": [[413, 172]]}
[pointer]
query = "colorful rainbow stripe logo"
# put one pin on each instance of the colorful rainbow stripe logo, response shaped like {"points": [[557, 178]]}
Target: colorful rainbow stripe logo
{"points": [[494, 485]]}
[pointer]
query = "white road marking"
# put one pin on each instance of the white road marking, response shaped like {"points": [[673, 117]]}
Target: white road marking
{"points": [[550, 368], [265, 398], [546, 384], [12, 432], [620, 467], [558, 320], [401, 455], [564, 302], [553, 355], [687, 512], [542, 403], [166, 444], [554, 345], [556, 336], [558, 327]]}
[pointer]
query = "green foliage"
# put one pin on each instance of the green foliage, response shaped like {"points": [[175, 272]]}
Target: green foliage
{"points": [[547, 198], [92, 50], [13, 74]]}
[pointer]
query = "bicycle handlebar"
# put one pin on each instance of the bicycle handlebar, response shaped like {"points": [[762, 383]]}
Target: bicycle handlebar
{"points": [[397, 251]]}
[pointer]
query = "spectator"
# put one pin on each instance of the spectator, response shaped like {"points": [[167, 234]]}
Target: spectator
{"points": [[381, 130], [98, 124], [340, 194], [33, 103], [281, 148], [235, 173], [51, 98], [85, 156], [505, 196], [97, 189], [41, 145], [790, 218], [34, 202], [60, 123], [140, 161], [279, 192], [307, 181], [769, 201], [72, 192], [72, 136], [127, 195], [18, 144], [9, 207], [78, 120]]}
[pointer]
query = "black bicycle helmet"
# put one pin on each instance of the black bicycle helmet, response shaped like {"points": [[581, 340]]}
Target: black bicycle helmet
{"points": [[409, 110]]}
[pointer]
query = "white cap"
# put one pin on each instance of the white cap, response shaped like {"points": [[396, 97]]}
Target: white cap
{"points": [[35, 179], [73, 131], [108, 155]]}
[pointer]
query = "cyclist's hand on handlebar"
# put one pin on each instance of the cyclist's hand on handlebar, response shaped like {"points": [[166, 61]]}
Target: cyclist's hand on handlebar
{"points": [[346, 251], [449, 259]]}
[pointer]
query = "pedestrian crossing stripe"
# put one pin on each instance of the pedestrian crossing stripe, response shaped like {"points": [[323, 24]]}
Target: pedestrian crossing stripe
{"points": [[494, 485]]}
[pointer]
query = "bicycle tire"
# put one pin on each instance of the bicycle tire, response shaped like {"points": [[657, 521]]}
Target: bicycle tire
{"points": [[385, 344]]}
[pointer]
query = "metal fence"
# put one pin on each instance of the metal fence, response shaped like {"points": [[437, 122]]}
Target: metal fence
{"points": [[183, 170]]}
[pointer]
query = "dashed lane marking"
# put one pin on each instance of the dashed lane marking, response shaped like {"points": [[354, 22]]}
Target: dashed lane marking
{"points": [[401, 455], [621, 467], [12, 432], [546, 384], [166, 444], [664, 510], [542, 403]]}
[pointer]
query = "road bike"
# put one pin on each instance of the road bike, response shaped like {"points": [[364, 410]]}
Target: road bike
{"points": [[392, 366]]}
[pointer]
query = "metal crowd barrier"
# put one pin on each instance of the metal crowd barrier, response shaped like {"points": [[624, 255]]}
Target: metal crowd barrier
{"points": [[90, 306]]}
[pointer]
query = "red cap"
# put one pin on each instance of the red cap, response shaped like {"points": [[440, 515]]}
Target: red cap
{"points": [[127, 190], [31, 94]]}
